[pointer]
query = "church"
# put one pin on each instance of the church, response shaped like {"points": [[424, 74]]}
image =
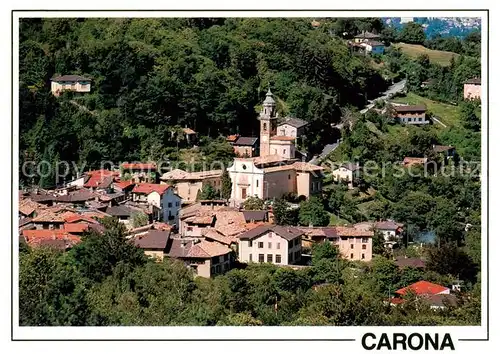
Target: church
{"points": [[276, 171]]}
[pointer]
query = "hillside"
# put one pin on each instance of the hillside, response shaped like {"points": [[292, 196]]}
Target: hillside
{"points": [[435, 56]]}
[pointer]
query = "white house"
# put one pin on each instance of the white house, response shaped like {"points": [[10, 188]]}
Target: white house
{"points": [[161, 196], [269, 243], [346, 172], [389, 228], [74, 83], [293, 127]]}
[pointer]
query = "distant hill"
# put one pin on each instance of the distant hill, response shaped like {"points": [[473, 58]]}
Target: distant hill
{"points": [[444, 26]]}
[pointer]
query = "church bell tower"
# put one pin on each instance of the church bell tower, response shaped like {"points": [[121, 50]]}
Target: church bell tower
{"points": [[268, 123]]}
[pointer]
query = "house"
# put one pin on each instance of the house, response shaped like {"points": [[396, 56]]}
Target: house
{"points": [[436, 296], [354, 245], [198, 216], [272, 244], [446, 151], [153, 242], [423, 287], [187, 184], [75, 83], [123, 186], [123, 213], [190, 135], [374, 47], [246, 146], [100, 179], [29, 208], [48, 220], [206, 259], [410, 161], [346, 172], [77, 198], [161, 196], [253, 216], [366, 36], [411, 114], [292, 127], [139, 172], [412, 262], [59, 239], [472, 89]]}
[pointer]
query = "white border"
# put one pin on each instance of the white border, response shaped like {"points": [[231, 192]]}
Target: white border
{"points": [[292, 333]]}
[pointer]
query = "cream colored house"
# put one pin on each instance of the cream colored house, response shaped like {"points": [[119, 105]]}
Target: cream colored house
{"points": [[205, 258], [346, 173], [354, 244], [472, 89], [74, 83], [188, 184], [271, 244], [292, 127], [153, 242]]}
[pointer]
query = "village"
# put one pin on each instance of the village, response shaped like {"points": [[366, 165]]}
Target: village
{"points": [[164, 216]]}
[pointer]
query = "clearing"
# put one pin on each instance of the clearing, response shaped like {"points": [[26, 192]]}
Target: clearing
{"points": [[435, 56]]}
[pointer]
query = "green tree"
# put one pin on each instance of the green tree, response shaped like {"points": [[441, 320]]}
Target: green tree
{"points": [[139, 219], [412, 33], [226, 185], [468, 115], [253, 203], [283, 215], [312, 212], [378, 243], [207, 193], [448, 259]]}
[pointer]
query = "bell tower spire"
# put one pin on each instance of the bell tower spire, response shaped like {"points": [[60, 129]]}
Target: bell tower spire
{"points": [[268, 123]]}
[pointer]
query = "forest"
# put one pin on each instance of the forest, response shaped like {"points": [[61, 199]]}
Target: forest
{"points": [[106, 280]]}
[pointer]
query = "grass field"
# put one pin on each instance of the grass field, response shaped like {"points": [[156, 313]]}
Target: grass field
{"points": [[435, 56], [446, 113]]}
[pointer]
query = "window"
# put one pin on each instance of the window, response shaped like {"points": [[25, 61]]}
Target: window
{"points": [[176, 203], [352, 246], [364, 240], [278, 258], [269, 258], [289, 177], [226, 258], [284, 151], [243, 193], [257, 183], [261, 244], [169, 205], [190, 228], [269, 245], [278, 245], [352, 255], [290, 244], [264, 126], [363, 247], [250, 257], [362, 256], [250, 243], [261, 258]]}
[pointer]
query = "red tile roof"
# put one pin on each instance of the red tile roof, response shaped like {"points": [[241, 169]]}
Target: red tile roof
{"points": [[408, 161], [423, 288], [37, 238], [146, 188], [71, 217], [139, 166], [123, 184], [76, 228]]}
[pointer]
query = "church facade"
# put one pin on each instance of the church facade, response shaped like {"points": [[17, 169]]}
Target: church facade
{"points": [[276, 172]]}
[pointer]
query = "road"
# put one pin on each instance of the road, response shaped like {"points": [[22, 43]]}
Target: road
{"points": [[391, 91]]}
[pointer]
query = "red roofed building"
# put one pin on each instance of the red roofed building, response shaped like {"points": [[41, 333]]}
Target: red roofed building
{"points": [[423, 288], [100, 179], [161, 196], [59, 239], [76, 228]]}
